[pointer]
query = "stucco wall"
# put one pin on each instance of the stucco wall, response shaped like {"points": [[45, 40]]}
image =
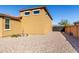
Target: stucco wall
{"points": [[36, 24], [33, 24], [15, 28], [0, 27]]}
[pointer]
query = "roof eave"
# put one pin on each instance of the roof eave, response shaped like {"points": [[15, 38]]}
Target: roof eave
{"points": [[39, 8]]}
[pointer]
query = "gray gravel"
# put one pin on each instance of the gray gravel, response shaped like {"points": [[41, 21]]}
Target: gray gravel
{"points": [[54, 42]]}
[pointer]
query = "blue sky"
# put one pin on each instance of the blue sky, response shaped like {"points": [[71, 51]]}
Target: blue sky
{"points": [[58, 12]]}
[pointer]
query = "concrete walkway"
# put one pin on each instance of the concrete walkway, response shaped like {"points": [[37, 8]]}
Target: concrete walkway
{"points": [[54, 42]]}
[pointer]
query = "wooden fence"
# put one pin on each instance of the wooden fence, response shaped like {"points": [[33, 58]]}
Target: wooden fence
{"points": [[73, 30]]}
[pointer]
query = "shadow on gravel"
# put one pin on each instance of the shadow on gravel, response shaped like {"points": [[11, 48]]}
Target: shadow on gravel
{"points": [[73, 41]]}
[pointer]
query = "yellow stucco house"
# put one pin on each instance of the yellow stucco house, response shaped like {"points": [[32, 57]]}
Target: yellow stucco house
{"points": [[34, 21]]}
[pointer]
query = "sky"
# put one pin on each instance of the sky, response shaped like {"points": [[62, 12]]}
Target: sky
{"points": [[58, 12]]}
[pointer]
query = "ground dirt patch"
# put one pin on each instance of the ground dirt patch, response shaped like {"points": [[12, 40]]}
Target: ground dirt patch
{"points": [[53, 42]]}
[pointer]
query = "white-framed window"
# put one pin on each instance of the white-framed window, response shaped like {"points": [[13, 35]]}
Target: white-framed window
{"points": [[46, 14], [36, 12], [7, 23], [27, 13]]}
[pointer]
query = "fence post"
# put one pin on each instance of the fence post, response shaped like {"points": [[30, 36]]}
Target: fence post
{"points": [[70, 29], [76, 31]]}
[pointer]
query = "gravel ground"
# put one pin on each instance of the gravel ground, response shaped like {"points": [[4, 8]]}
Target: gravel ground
{"points": [[74, 41], [53, 42]]}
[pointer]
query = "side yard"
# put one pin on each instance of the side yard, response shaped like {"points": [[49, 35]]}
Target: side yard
{"points": [[74, 41], [54, 42]]}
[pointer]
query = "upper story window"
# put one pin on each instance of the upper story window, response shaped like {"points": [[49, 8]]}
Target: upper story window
{"points": [[46, 14], [7, 23], [36, 11], [27, 13]]}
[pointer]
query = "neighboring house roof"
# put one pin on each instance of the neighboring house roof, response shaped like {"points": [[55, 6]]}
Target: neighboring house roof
{"points": [[43, 7], [76, 22], [13, 17]]}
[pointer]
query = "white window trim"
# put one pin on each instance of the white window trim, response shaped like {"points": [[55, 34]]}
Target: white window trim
{"points": [[7, 29], [26, 11], [36, 10]]}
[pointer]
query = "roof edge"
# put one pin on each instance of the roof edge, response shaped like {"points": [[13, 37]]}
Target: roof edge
{"points": [[31, 8], [13, 17], [38, 8]]}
